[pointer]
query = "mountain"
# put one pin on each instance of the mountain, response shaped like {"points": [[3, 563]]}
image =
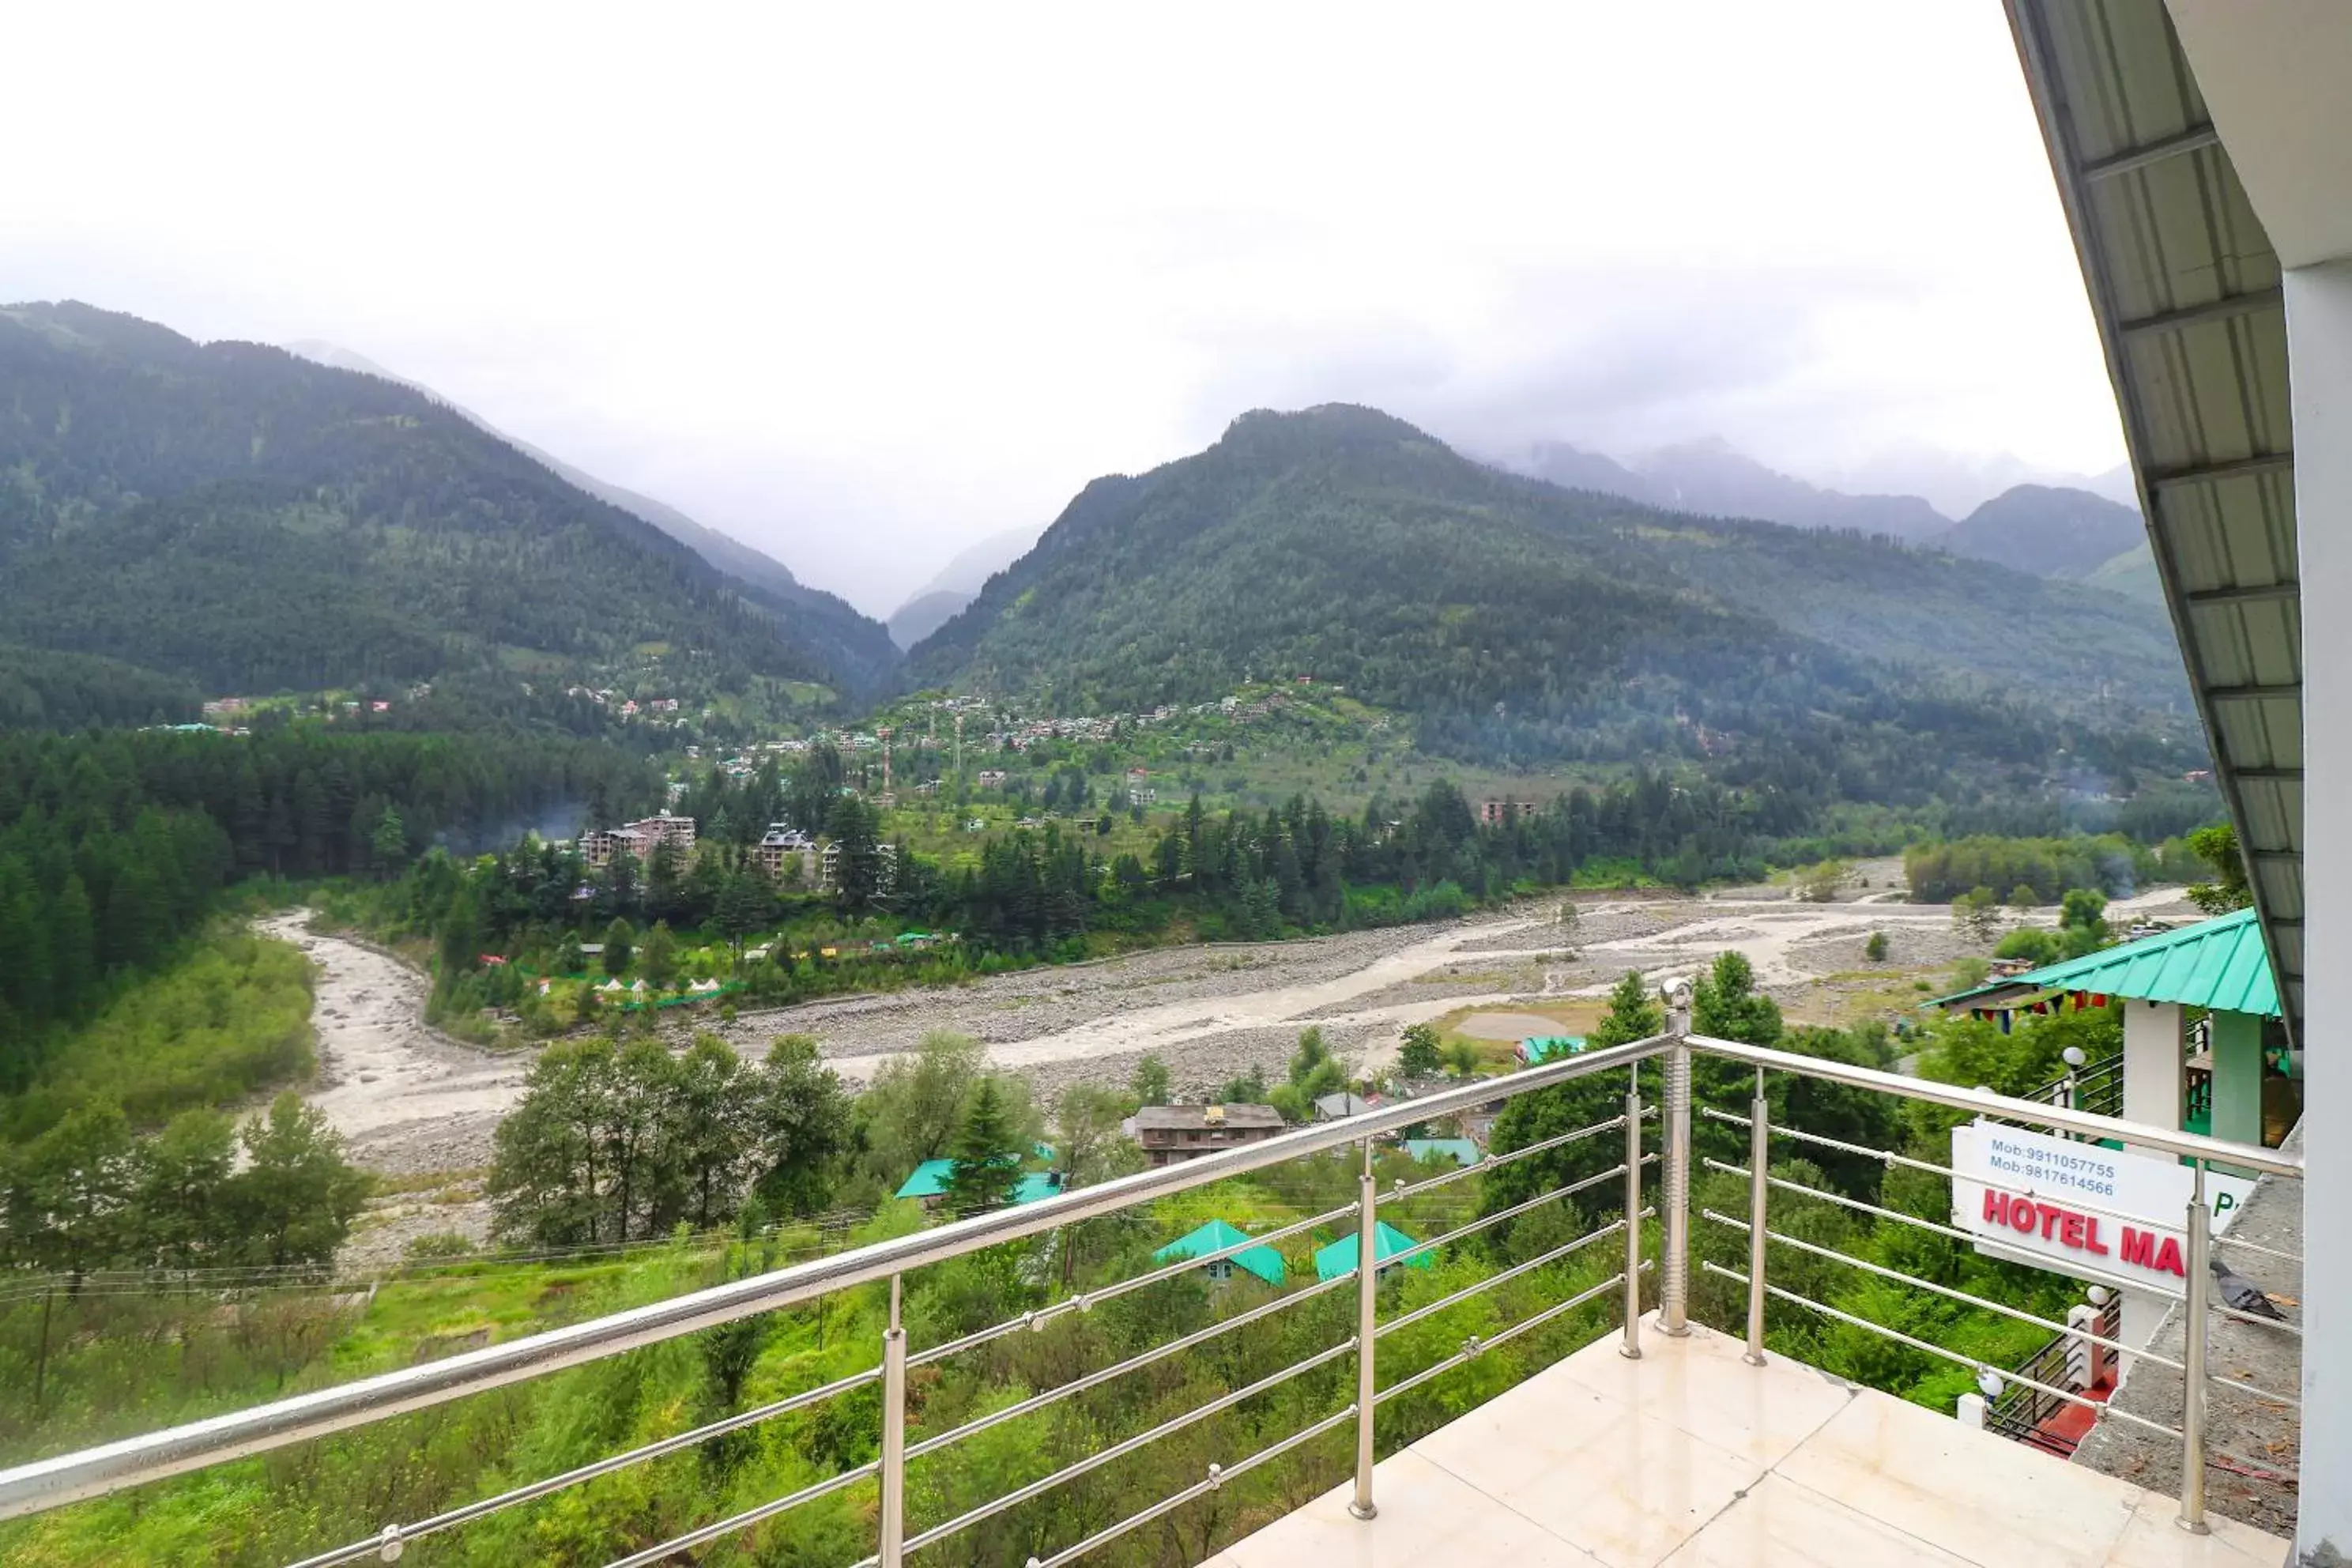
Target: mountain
{"points": [[847, 641], [1509, 614], [235, 515], [2131, 574], [1710, 477], [2047, 531], [957, 585]]}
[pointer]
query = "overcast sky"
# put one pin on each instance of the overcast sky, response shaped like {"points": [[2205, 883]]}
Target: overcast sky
{"points": [[862, 284]]}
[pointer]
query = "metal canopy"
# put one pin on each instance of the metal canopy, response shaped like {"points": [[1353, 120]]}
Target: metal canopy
{"points": [[2184, 286], [2218, 963]]}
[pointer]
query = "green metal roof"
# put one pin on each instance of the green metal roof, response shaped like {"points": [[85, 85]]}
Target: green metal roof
{"points": [[1543, 1048], [2218, 963], [1216, 1236], [929, 1180], [1340, 1257], [1461, 1150]]}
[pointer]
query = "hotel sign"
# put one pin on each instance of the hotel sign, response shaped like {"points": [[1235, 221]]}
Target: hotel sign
{"points": [[2080, 1208]]}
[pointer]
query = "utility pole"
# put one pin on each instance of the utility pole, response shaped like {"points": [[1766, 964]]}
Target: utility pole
{"points": [[958, 745]]}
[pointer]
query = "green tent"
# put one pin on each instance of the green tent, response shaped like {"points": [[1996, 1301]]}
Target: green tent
{"points": [[1340, 1257], [1216, 1236]]}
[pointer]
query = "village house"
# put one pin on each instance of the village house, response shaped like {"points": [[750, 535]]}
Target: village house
{"points": [[1171, 1133], [1494, 812]]}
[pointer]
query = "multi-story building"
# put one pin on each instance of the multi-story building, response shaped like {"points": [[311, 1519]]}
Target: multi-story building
{"points": [[783, 845], [639, 839]]}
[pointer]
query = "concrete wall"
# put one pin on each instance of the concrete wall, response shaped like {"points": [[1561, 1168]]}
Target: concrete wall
{"points": [[2319, 343]]}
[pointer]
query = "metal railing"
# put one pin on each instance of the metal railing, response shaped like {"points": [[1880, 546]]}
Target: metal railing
{"points": [[2021, 1411], [49, 1483]]}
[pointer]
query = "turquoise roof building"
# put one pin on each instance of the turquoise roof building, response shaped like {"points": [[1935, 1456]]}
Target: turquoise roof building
{"points": [[929, 1180], [931, 1177], [1461, 1150], [1537, 1048], [1340, 1257], [1216, 1236]]}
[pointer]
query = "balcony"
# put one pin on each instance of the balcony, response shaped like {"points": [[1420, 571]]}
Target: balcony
{"points": [[1692, 1458], [1707, 1446]]}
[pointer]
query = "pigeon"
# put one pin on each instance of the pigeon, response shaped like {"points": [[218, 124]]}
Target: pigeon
{"points": [[2241, 1293]]}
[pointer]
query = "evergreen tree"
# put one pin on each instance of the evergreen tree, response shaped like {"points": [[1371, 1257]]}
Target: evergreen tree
{"points": [[987, 1154], [620, 946], [657, 961]]}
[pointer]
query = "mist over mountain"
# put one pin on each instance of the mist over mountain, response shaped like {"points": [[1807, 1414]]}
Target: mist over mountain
{"points": [[1708, 477], [251, 519], [957, 585], [849, 641]]}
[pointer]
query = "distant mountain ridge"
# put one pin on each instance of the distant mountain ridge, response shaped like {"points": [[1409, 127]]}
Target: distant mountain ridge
{"points": [[847, 639], [1711, 478], [957, 585], [1512, 615], [238, 516]]}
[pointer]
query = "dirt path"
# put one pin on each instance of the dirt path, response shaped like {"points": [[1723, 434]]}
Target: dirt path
{"points": [[406, 1097]]}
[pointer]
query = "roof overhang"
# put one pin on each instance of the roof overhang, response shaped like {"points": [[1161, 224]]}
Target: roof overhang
{"points": [[2184, 286]]}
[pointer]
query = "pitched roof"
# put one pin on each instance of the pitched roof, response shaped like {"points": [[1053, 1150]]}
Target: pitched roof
{"points": [[929, 1180], [1216, 1236], [2218, 963], [1543, 1048], [1461, 1150], [1340, 1257]]}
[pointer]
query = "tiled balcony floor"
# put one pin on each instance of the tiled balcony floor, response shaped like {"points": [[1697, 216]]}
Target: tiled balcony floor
{"points": [[1693, 1458]]}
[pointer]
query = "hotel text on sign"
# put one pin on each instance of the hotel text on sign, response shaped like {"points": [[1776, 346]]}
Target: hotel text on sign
{"points": [[2080, 1207]]}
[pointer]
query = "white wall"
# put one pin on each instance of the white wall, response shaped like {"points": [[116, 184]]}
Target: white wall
{"points": [[2319, 349]]}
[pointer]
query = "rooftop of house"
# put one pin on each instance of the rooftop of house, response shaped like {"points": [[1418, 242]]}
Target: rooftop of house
{"points": [[2218, 963], [1216, 1236], [1340, 1257], [1193, 1118]]}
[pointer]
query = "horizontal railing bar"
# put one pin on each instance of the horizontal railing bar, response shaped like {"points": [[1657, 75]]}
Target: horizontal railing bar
{"points": [[2188, 1145], [1197, 1490], [1492, 1161], [1479, 1347], [1944, 1290], [2097, 1409], [1096, 1379], [1890, 1157], [1086, 1300], [1119, 1451], [1430, 1309], [589, 1472], [92, 1472], [2286, 1399], [1499, 1216], [747, 1518]]}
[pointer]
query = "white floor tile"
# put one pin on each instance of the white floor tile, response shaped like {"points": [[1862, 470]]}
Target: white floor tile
{"points": [[1427, 1519], [1780, 1524], [2153, 1541], [1702, 1386], [1991, 1501]]}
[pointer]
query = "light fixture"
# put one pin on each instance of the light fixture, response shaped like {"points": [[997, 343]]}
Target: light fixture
{"points": [[2073, 1055], [1988, 1383]]}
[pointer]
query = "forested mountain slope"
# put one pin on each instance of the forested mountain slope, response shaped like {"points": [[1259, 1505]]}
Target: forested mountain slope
{"points": [[2046, 529], [856, 645], [1343, 543], [233, 514]]}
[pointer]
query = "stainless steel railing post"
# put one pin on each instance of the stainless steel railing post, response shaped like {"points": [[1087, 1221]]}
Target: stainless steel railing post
{"points": [[1631, 1348], [1760, 1156], [893, 1544], [1673, 1267], [2193, 1360], [1368, 1302]]}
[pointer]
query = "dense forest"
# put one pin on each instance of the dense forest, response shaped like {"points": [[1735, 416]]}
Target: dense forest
{"points": [[235, 515], [113, 845], [1516, 619]]}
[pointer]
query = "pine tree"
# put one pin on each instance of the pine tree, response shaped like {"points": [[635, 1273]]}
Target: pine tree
{"points": [[986, 1157]]}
